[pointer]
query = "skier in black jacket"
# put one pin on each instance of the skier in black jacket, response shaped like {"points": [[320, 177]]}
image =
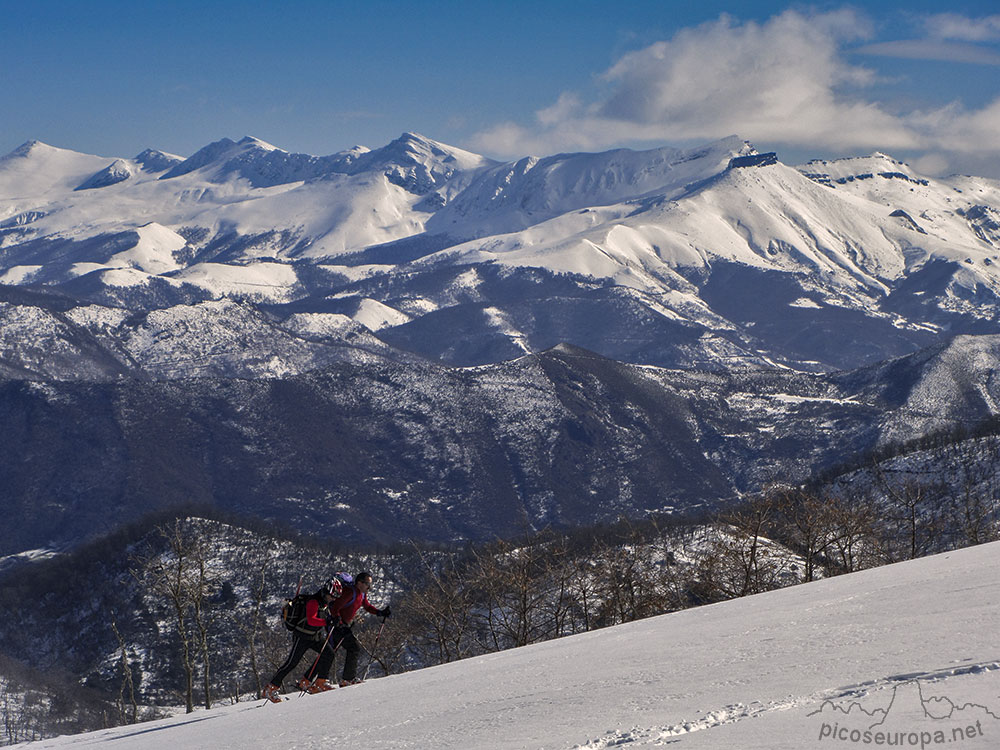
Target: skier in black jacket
{"points": [[310, 634]]}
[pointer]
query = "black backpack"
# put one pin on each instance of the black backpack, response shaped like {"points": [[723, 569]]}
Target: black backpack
{"points": [[293, 613]]}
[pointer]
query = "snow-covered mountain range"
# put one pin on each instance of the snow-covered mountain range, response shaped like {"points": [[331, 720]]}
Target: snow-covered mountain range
{"points": [[421, 324], [710, 257]]}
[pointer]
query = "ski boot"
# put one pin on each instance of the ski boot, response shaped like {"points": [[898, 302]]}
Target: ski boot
{"points": [[271, 692]]}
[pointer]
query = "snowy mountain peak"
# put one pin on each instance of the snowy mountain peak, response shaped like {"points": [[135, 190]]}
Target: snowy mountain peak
{"points": [[25, 149], [256, 161], [202, 158], [354, 151], [118, 171], [35, 168], [417, 146], [418, 164], [416, 140], [841, 171], [37, 149], [152, 160], [523, 193], [249, 140], [29, 147], [412, 161], [413, 148]]}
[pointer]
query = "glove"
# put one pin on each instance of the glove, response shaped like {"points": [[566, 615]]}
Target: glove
{"points": [[386, 612]]}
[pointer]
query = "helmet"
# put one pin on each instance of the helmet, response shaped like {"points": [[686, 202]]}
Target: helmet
{"points": [[332, 587]]}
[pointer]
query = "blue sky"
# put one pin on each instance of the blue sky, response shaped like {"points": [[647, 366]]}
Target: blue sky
{"points": [[919, 80]]}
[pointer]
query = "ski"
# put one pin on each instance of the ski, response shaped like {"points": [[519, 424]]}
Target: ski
{"points": [[268, 700]]}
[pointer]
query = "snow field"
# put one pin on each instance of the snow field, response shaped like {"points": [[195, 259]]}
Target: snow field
{"points": [[776, 671]]}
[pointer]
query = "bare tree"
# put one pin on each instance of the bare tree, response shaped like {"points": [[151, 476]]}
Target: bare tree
{"points": [[806, 523], [205, 583], [442, 610], [178, 576], [512, 592], [580, 588], [855, 543], [741, 560], [913, 520], [562, 572], [23, 713], [251, 625], [130, 716], [972, 509]]}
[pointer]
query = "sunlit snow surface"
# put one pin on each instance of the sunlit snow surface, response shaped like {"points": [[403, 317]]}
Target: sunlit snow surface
{"points": [[908, 650]]}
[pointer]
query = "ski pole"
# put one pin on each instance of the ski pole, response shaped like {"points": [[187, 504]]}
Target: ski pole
{"points": [[309, 674], [371, 654]]}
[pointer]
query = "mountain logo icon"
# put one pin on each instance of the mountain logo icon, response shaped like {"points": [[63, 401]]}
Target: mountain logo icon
{"points": [[910, 715]]}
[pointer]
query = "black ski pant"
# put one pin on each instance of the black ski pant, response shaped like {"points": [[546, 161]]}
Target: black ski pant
{"points": [[302, 643], [345, 637]]}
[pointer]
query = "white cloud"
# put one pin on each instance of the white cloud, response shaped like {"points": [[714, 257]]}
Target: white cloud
{"points": [[932, 164], [963, 28], [934, 49], [948, 37], [956, 129], [786, 81]]}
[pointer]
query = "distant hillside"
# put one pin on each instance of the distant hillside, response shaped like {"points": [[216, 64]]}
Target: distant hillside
{"points": [[386, 451]]}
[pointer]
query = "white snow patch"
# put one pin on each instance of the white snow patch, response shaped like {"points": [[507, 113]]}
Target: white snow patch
{"points": [[358, 273], [19, 274], [806, 303], [31, 555], [153, 252], [319, 324], [375, 316], [261, 281], [467, 279], [497, 318], [98, 316], [419, 305], [121, 277], [788, 398]]}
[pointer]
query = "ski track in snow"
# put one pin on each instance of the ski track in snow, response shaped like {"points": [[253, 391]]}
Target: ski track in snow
{"points": [[739, 711]]}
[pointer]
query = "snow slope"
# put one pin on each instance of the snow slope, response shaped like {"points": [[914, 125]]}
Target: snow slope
{"points": [[907, 650]]}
